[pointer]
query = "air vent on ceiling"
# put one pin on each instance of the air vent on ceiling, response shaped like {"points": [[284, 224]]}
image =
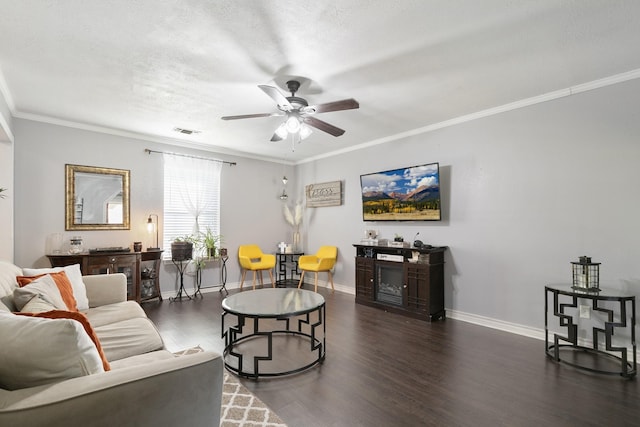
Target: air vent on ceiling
{"points": [[186, 131]]}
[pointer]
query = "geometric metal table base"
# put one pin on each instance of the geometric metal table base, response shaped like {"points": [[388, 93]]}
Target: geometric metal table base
{"points": [[614, 360], [270, 344]]}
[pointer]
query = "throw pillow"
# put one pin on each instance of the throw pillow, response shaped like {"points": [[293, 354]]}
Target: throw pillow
{"points": [[37, 305], [63, 283], [75, 277], [36, 351], [83, 320], [44, 287]]}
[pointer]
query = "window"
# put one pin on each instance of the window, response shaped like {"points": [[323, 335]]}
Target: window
{"points": [[191, 198]]}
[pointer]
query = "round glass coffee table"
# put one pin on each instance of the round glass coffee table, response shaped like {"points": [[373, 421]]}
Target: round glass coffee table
{"points": [[274, 331]]}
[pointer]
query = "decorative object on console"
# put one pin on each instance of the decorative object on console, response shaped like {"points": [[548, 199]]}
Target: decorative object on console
{"points": [[586, 274], [370, 238], [54, 243], [417, 243], [407, 194], [151, 227], [75, 245], [398, 242], [137, 246]]}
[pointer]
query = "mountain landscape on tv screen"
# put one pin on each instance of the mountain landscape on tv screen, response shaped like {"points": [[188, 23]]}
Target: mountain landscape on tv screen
{"points": [[419, 194]]}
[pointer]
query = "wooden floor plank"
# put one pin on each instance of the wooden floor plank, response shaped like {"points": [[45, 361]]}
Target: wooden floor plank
{"points": [[383, 369]]}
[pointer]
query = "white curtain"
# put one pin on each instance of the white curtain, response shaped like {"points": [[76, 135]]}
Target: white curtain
{"points": [[193, 179]]}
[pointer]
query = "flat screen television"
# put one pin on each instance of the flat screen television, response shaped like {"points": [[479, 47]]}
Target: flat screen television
{"points": [[407, 194]]}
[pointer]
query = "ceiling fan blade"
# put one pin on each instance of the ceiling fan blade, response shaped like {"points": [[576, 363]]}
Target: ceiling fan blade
{"points": [[277, 96], [251, 116], [323, 126], [344, 104], [276, 137]]}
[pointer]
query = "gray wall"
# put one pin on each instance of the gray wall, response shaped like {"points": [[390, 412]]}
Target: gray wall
{"points": [[524, 193], [251, 209]]}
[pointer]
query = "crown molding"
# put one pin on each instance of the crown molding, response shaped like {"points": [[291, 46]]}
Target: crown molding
{"points": [[539, 99]]}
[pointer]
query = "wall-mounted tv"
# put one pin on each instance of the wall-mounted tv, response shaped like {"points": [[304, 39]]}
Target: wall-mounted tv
{"points": [[407, 194]]}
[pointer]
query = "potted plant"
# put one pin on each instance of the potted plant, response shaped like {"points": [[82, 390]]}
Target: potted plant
{"points": [[182, 248], [210, 241]]}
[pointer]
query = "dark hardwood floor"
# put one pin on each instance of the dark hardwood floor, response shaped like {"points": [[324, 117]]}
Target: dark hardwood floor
{"points": [[383, 369]]}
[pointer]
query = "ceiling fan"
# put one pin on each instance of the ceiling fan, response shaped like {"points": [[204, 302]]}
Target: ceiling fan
{"points": [[299, 113]]}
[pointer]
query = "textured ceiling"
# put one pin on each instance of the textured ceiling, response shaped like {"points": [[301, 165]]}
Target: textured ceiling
{"points": [[148, 66]]}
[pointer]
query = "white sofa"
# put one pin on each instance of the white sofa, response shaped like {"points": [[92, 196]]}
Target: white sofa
{"points": [[146, 385]]}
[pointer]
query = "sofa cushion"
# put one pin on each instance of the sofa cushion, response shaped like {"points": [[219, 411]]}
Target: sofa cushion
{"points": [[37, 304], [75, 277], [63, 283], [128, 338], [44, 287], [111, 313], [36, 351], [78, 317]]}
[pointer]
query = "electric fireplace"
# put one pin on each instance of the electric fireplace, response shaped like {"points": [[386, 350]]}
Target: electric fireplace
{"points": [[389, 283]]}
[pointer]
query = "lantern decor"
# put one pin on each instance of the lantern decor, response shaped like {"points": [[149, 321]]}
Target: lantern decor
{"points": [[586, 274]]}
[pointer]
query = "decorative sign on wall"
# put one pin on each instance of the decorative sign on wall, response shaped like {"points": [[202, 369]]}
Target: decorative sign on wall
{"points": [[324, 194]]}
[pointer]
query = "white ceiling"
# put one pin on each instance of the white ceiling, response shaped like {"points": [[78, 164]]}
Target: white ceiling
{"points": [[148, 66]]}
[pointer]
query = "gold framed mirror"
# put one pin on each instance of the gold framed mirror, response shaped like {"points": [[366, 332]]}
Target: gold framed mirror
{"points": [[96, 198]]}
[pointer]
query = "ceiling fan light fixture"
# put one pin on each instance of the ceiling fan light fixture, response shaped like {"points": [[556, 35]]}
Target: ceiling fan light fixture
{"points": [[292, 124], [282, 131], [305, 131]]}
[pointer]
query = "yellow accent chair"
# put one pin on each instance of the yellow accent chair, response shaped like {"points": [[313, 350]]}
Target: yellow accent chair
{"points": [[252, 258], [323, 260]]}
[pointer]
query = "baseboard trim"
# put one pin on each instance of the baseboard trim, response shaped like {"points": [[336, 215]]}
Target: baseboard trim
{"points": [[501, 325], [236, 285]]}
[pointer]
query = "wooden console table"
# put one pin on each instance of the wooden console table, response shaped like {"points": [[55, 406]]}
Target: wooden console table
{"points": [[387, 278], [128, 263]]}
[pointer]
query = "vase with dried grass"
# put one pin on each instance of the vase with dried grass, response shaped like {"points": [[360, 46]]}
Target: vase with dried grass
{"points": [[294, 219]]}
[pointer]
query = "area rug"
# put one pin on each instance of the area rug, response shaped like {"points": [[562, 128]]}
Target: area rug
{"points": [[241, 408]]}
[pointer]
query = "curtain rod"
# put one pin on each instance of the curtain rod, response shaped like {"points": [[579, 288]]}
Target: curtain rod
{"points": [[148, 151]]}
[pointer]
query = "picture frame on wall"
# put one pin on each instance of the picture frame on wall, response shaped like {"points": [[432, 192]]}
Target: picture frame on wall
{"points": [[324, 194]]}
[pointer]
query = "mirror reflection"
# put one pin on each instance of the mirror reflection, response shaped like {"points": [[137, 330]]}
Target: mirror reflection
{"points": [[97, 198]]}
